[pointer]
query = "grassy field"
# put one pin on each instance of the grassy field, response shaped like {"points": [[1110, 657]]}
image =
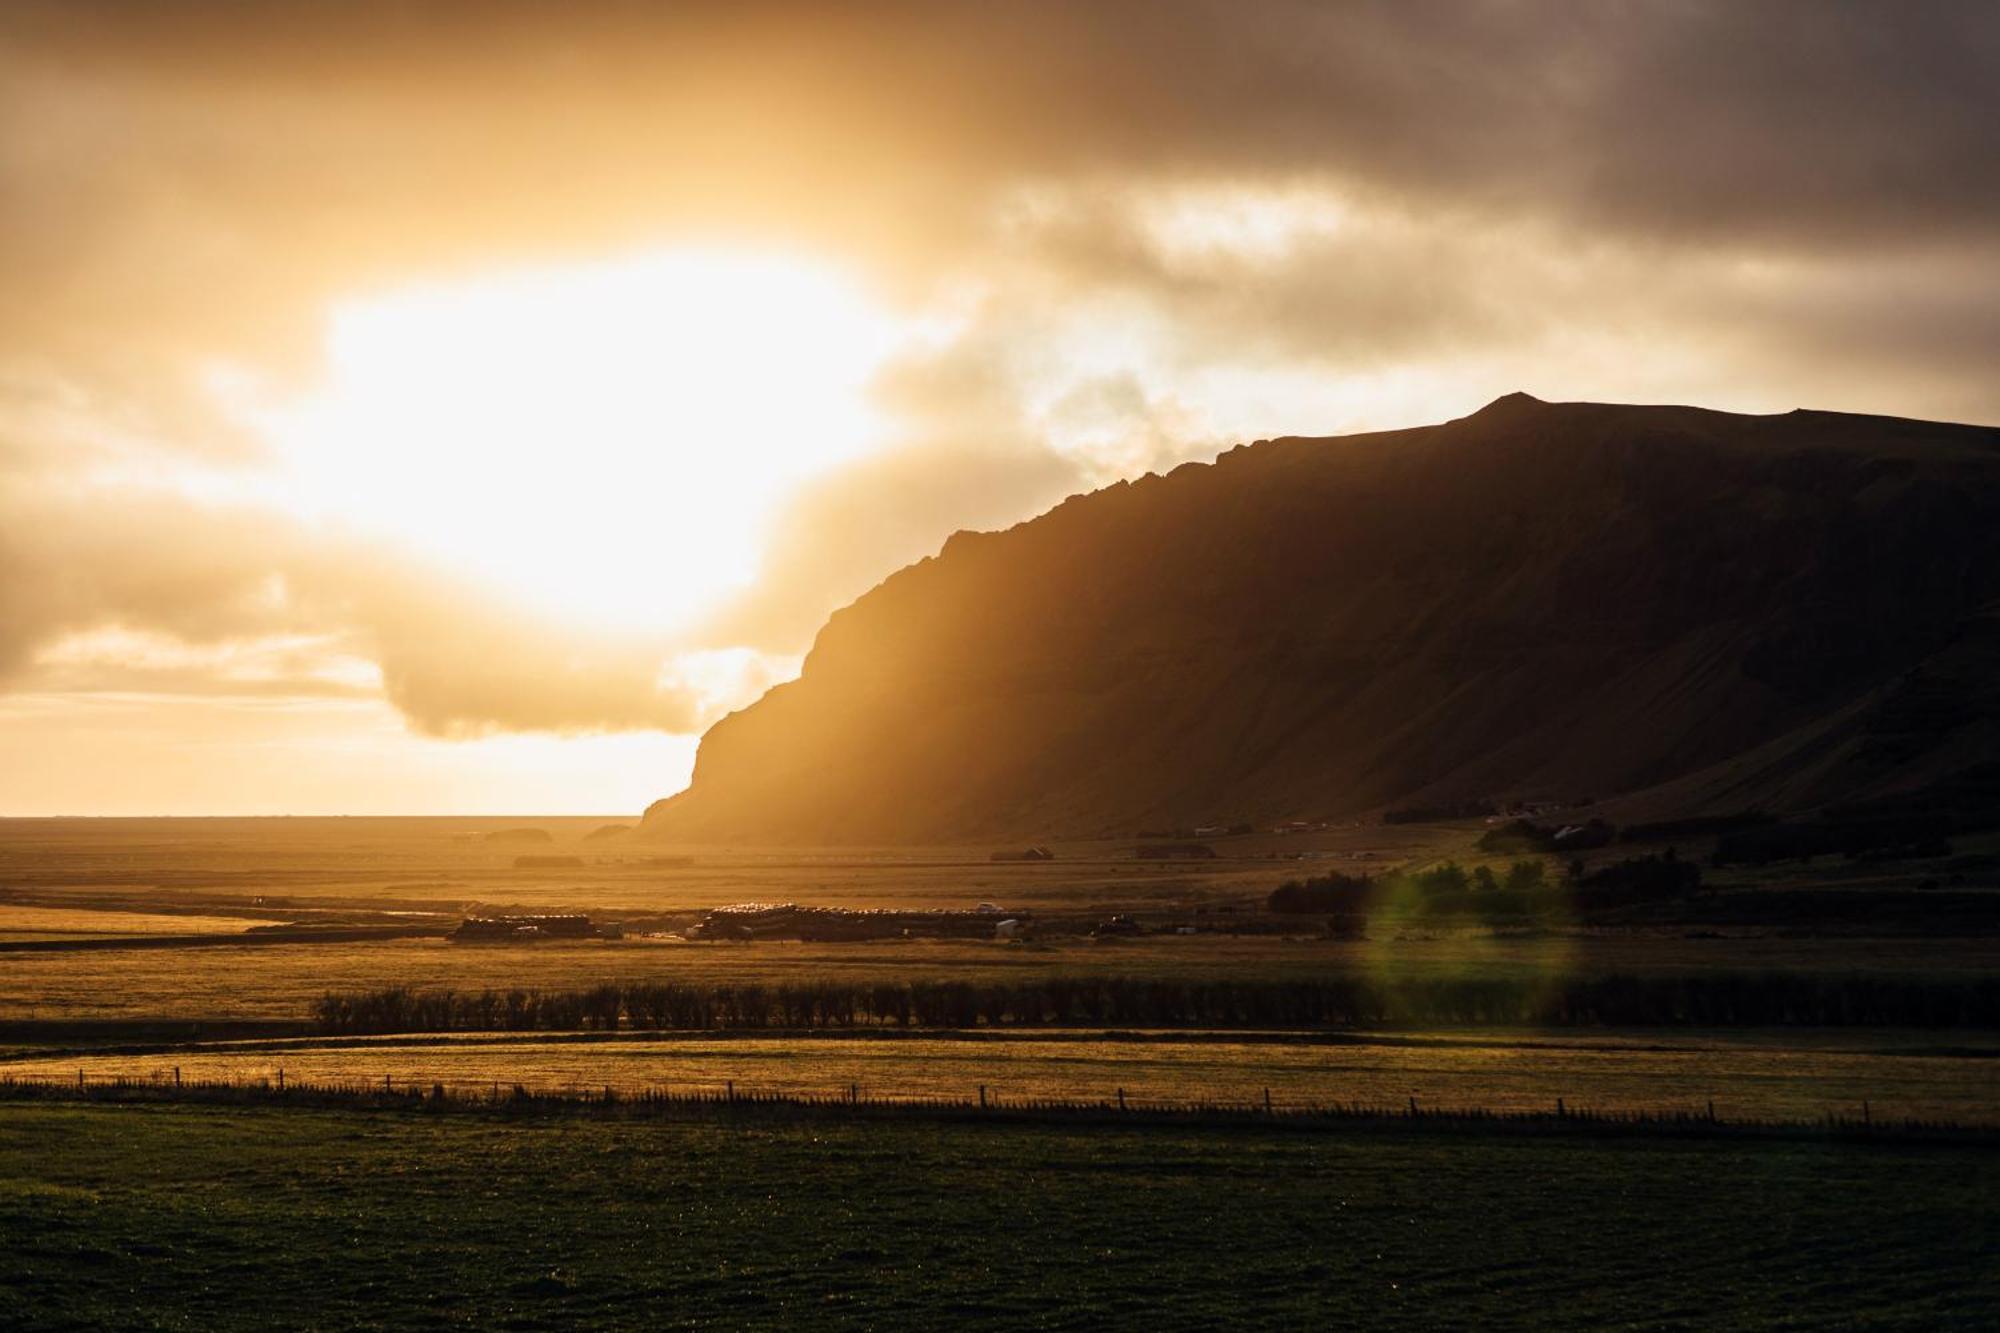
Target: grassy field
{"points": [[76, 878], [312, 867], [1744, 1075], [449, 863], [282, 981], [41, 923], [177, 1217], [219, 1216]]}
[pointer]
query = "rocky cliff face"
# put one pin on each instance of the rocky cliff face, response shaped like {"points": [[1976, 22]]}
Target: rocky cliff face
{"points": [[1535, 600]]}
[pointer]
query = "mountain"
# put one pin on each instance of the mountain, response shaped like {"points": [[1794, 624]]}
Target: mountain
{"points": [[1694, 609]]}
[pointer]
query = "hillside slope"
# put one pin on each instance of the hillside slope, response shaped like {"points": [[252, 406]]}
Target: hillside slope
{"points": [[1535, 600]]}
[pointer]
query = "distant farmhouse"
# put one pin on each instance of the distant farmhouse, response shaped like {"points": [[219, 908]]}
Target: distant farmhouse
{"points": [[559, 926]]}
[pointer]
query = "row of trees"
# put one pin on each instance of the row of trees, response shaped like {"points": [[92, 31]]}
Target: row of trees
{"points": [[1338, 892], [1700, 999]]}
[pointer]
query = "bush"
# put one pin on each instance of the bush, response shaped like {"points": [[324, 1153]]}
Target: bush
{"points": [[1321, 895], [1447, 890], [1700, 999], [1641, 879]]}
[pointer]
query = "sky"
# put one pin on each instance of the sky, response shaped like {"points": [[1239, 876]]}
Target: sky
{"points": [[455, 408]]}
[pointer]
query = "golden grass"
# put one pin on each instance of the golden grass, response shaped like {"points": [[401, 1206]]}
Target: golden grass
{"points": [[99, 873], [451, 862], [1746, 1078], [31, 923], [282, 981]]}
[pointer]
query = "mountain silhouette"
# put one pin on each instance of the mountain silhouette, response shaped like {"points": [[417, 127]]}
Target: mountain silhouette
{"points": [[1693, 610]]}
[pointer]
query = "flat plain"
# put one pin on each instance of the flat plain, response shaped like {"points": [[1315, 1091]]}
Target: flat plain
{"points": [[99, 877], [131, 949], [183, 1217], [72, 883], [281, 981], [1739, 1075]]}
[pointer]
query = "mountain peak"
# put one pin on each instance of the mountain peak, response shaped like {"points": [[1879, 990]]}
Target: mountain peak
{"points": [[1510, 403]]}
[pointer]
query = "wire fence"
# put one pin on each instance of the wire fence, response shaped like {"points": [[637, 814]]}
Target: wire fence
{"points": [[727, 1100]]}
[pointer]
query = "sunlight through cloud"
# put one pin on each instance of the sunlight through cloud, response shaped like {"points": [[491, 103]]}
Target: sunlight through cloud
{"points": [[604, 440]]}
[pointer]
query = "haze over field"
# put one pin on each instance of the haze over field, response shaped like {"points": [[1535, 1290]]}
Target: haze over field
{"points": [[462, 408]]}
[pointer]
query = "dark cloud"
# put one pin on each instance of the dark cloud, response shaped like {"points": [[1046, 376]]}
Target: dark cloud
{"points": [[1796, 122], [153, 156], [1809, 114]]}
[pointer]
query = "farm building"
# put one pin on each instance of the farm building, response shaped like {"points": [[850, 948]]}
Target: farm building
{"points": [[560, 926]]}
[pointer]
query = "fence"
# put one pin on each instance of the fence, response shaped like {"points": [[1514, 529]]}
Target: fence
{"points": [[729, 1102]]}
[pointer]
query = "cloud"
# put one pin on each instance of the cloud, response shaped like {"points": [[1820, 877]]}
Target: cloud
{"points": [[75, 562], [130, 591], [284, 155], [1148, 230], [1773, 110], [296, 149], [1208, 278], [114, 660], [458, 662]]}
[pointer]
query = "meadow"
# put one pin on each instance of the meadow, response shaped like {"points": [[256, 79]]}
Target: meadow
{"points": [[104, 877], [282, 981], [60, 923], [303, 867], [1461, 1017], [182, 1217], [1736, 1075]]}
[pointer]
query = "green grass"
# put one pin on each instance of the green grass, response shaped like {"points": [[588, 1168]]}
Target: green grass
{"points": [[184, 1217]]}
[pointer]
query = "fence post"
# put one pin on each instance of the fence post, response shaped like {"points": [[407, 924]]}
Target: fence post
{"points": [[732, 1089], [385, 1083], [1561, 1110], [79, 1080], [1413, 1108], [982, 1096], [281, 1078], [1121, 1099], [177, 1076], [1866, 1118]]}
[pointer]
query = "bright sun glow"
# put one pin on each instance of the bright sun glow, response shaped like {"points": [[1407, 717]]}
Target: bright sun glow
{"points": [[607, 440]]}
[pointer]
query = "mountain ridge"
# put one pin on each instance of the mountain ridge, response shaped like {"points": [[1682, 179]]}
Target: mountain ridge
{"points": [[1554, 599]]}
